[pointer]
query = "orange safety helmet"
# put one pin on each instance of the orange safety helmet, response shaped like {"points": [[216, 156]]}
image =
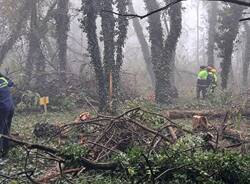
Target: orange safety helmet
{"points": [[214, 70]]}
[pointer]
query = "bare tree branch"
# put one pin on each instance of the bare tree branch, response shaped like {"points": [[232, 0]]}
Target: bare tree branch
{"points": [[146, 15], [244, 19], [243, 3]]}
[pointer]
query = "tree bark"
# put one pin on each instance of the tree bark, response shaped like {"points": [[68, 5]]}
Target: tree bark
{"points": [[228, 30], [35, 54], [108, 32], [114, 33], [170, 48], [62, 28], [144, 44], [122, 29], [163, 54], [212, 19], [156, 39], [89, 26]]}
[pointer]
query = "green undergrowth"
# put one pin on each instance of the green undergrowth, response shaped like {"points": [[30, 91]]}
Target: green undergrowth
{"points": [[186, 162], [189, 161]]}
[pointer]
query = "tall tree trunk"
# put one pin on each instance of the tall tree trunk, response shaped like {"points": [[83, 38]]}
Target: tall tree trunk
{"points": [[170, 48], [35, 54], [162, 55], [122, 29], [16, 32], [246, 61], [62, 28], [156, 38], [228, 30], [144, 44], [212, 19], [108, 31], [89, 26]]}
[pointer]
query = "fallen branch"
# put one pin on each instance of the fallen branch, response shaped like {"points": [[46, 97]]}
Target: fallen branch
{"points": [[89, 165], [211, 114]]}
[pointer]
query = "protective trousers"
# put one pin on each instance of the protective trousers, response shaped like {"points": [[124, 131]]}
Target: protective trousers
{"points": [[6, 115], [203, 90]]}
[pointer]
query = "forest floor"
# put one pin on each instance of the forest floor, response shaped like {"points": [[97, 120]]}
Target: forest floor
{"points": [[16, 168]]}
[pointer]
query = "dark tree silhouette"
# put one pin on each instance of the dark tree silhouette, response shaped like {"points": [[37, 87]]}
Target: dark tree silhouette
{"points": [[228, 27], [162, 51], [121, 33], [90, 12], [212, 20], [62, 28], [36, 58], [108, 69]]}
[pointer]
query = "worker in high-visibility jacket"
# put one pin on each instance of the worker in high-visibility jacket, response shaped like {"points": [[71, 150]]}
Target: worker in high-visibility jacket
{"points": [[6, 112], [212, 79], [202, 83]]}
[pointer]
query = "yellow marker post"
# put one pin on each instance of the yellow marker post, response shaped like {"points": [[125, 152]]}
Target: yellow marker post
{"points": [[44, 101]]}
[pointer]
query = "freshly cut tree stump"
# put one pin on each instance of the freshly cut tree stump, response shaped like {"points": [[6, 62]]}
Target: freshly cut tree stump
{"points": [[200, 123]]}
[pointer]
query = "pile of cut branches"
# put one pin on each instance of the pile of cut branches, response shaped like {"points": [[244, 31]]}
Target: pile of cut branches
{"points": [[142, 146]]}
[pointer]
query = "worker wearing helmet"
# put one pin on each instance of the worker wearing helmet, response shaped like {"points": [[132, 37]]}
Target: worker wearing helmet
{"points": [[212, 79], [202, 83], [6, 112]]}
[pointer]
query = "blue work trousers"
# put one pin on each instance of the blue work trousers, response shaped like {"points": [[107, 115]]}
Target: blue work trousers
{"points": [[6, 115]]}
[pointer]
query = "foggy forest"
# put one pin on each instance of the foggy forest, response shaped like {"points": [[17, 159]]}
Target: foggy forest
{"points": [[125, 91]]}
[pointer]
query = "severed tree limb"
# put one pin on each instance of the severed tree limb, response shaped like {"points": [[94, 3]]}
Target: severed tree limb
{"points": [[30, 146], [146, 15], [89, 165]]}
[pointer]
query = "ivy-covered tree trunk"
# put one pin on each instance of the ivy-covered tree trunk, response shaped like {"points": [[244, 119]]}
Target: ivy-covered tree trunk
{"points": [[35, 58], [144, 44], [228, 28], [62, 28], [162, 54], [212, 20], [114, 33], [89, 26], [156, 39], [122, 29], [246, 61], [169, 51], [108, 33]]}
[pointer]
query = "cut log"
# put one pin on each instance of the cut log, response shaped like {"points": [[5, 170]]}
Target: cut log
{"points": [[210, 114]]}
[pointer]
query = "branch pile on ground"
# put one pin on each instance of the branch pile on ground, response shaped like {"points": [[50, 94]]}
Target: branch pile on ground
{"points": [[104, 137]]}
